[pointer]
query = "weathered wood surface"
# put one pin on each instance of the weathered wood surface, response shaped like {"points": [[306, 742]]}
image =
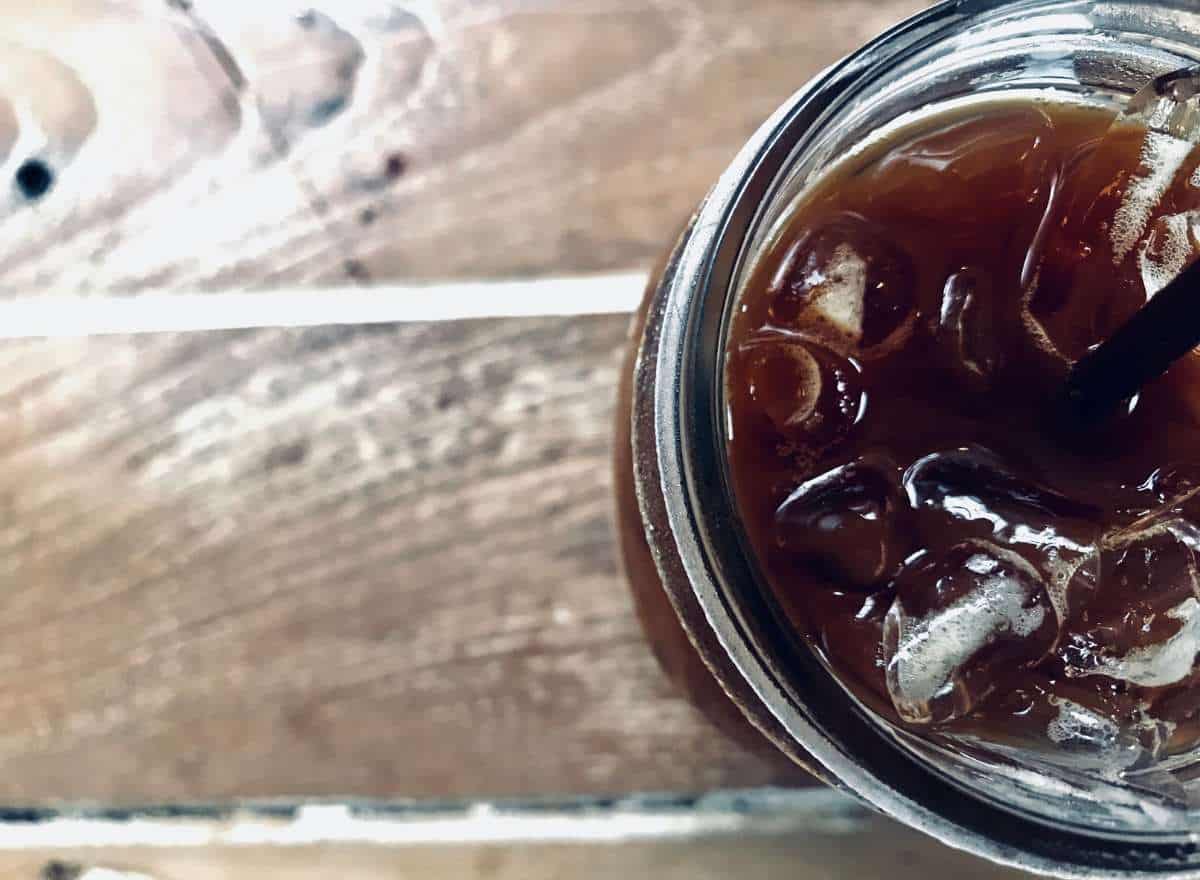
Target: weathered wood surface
{"points": [[161, 175], [367, 561], [382, 140], [371, 561]]}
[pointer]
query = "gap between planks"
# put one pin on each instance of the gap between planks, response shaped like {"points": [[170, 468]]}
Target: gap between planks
{"points": [[75, 315], [647, 817]]}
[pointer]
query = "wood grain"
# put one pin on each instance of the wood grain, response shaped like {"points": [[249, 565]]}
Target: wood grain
{"points": [[546, 135], [371, 561], [163, 175], [388, 141]]}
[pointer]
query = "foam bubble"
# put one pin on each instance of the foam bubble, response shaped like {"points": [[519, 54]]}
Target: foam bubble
{"points": [[1162, 157], [1076, 725]]}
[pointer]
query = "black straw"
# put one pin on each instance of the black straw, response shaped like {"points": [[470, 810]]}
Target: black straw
{"points": [[1142, 349]]}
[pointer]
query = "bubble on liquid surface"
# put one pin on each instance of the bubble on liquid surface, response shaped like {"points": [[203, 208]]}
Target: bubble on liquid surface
{"points": [[845, 520], [846, 283], [956, 620]]}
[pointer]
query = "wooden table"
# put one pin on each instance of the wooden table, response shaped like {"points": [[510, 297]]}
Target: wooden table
{"points": [[366, 560]]}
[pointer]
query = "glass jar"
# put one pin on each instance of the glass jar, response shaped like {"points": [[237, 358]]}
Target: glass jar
{"points": [[698, 587]]}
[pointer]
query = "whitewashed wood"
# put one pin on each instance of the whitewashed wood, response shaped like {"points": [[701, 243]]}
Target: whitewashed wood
{"points": [[383, 140], [538, 135], [371, 561], [164, 172]]}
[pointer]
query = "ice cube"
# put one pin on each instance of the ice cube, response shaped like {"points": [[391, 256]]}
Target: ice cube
{"points": [[941, 173], [1174, 489], [957, 619], [784, 380], [1159, 664], [848, 285], [1161, 160], [1091, 740], [966, 330], [1066, 308], [845, 520], [1108, 245], [1167, 110], [807, 391], [973, 485], [1171, 247], [850, 633], [1065, 725], [973, 482], [1179, 707], [1142, 626]]}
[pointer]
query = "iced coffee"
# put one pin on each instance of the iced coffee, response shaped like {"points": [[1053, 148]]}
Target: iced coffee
{"points": [[968, 571]]}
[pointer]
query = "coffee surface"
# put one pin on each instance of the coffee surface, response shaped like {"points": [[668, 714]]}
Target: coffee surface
{"points": [[966, 571]]}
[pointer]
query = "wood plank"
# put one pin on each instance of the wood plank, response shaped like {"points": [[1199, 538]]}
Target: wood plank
{"points": [[533, 137], [361, 560], [162, 173], [385, 141], [348, 560]]}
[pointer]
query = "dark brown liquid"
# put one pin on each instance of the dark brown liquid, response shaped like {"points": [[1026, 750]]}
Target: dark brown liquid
{"points": [[964, 570]]}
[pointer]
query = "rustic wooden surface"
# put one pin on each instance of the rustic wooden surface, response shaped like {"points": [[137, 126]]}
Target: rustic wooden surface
{"points": [[368, 561], [424, 139], [371, 561]]}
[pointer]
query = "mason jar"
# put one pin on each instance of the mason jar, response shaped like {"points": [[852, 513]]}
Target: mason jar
{"points": [[702, 599]]}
